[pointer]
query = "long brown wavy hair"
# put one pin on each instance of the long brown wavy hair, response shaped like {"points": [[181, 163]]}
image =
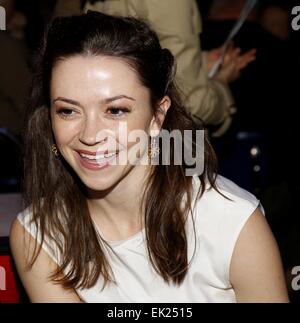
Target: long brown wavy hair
{"points": [[54, 193]]}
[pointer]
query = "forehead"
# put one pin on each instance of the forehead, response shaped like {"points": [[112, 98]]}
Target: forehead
{"points": [[80, 76]]}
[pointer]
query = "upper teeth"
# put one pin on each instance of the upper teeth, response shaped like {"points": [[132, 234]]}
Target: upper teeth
{"points": [[99, 156]]}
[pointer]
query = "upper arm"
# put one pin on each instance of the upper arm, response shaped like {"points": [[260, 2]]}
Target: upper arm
{"points": [[174, 27], [178, 31], [36, 279], [256, 271]]}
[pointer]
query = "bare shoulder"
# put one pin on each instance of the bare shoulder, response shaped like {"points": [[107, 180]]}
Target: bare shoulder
{"points": [[36, 279], [256, 271]]}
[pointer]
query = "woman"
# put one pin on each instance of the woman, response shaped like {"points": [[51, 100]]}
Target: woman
{"points": [[178, 25], [101, 230]]}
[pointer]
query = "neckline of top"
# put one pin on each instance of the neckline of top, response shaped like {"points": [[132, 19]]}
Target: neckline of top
{"points": [[116, 243], [141, 233]]}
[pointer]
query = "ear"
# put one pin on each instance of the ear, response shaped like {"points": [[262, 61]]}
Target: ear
{"points": [[159, 117]]}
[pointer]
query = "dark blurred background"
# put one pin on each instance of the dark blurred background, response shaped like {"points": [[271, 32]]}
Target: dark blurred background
{"points": [[259, 152]]}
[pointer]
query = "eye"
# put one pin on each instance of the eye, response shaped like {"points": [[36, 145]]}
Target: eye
{"points": [[117, 111], [66, 113]]}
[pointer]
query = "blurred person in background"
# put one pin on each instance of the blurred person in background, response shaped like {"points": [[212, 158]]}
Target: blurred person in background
{"points": [[178, 25], [274, 17], [266, 98], [15, 74], [257, 92], [265, 92]]}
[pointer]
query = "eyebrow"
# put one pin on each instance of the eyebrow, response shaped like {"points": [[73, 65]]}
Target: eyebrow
{"points": [[108, 100]]}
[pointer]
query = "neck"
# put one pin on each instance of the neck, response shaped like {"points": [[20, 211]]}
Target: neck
{"points": [[118, 211]]}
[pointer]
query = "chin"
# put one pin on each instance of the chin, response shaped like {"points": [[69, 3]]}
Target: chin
{"points": [[98, 183], [103, 181]]}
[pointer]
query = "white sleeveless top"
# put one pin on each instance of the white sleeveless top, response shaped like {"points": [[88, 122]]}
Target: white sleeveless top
{"points": [[218, 223]]}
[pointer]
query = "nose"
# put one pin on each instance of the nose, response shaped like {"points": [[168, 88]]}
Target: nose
{"points": [[90, 130]]}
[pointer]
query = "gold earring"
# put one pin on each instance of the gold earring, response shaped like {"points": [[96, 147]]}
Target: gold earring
{"points": [[54, 150], [154, 149]]}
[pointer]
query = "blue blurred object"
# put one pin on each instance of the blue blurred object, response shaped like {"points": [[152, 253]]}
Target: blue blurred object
{"points": [[243, 158]]}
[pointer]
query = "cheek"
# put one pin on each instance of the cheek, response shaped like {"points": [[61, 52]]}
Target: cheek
{"points": [[141, 120], [64, 131], [135, 126]]}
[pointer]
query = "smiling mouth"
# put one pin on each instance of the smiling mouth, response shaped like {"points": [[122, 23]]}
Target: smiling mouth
{"points": [[98, 157], [96, 160]]}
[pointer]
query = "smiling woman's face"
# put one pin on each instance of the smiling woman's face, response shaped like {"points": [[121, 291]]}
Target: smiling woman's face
{"points": [[90, 97]]}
